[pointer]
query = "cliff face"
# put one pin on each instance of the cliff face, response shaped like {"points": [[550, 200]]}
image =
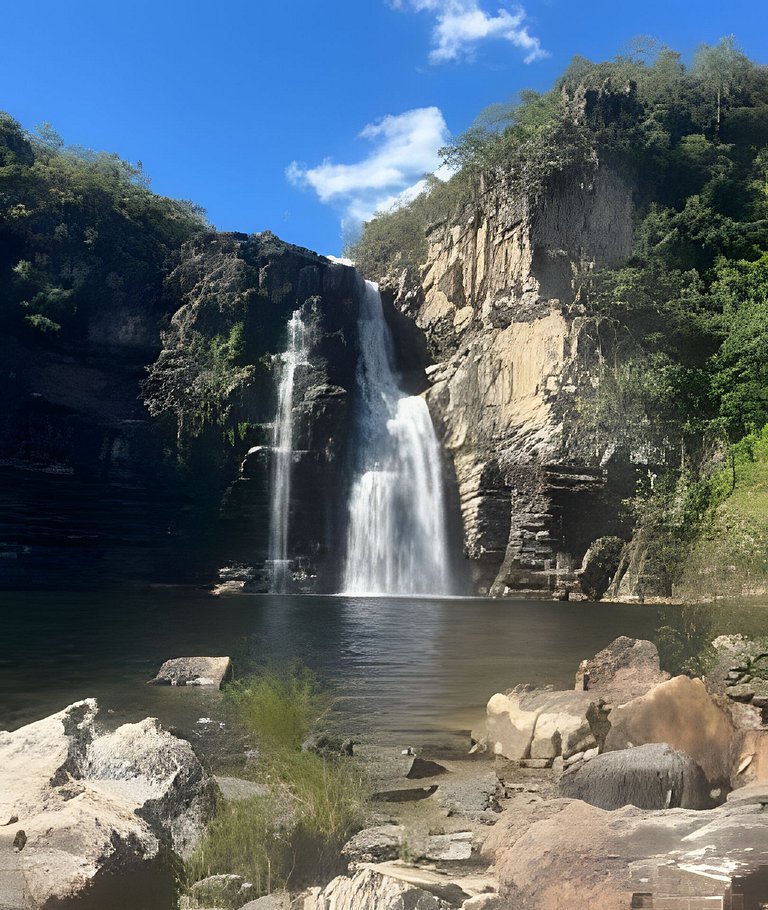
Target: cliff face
{"points": [[121, 459], [497, 303]]}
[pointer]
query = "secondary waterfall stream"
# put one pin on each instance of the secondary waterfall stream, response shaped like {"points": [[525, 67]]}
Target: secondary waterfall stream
{"points": [[397, 539], [294, 355]]}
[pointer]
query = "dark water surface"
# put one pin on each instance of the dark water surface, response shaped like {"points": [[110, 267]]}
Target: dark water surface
{"points": [[400, 667]]}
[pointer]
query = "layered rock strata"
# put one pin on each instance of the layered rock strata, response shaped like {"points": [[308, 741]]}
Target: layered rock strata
{"points": [[497, 303]]}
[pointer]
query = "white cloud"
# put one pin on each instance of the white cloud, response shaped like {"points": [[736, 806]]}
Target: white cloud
{"points": [[460, 25], [404, 148]]}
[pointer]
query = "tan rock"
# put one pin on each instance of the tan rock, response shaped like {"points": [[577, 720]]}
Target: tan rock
{"points": [[750, 764], [194, 671], [683, 714], [495, 303], [569, 854], [369, 889], [90, 805], [510, 727], [538, 724]]}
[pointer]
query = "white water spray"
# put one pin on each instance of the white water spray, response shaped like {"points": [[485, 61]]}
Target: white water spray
{"points": [[282, 455], [396, 540]]}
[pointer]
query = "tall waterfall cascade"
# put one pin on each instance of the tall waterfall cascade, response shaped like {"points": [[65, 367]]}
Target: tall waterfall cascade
{"points": [[294, 356], [396, 539]]}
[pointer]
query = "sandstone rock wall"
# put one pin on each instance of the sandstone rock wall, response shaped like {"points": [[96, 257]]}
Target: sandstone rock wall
{"points": [[497, 304]]}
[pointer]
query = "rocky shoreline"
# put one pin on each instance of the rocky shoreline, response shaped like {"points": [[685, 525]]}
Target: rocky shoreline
{"points": [[633, 789]]}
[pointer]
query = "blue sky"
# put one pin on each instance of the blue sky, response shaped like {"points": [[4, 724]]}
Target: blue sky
{"points": [[300, 116]]}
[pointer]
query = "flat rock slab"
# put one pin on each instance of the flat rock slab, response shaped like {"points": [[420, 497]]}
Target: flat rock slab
{"points": [[452, 889], [194, 671], [375, 845], [581, 856], [454, 847]]}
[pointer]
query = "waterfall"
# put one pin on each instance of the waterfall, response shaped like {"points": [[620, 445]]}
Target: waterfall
{"points": [[282, 455], [396, 540]]}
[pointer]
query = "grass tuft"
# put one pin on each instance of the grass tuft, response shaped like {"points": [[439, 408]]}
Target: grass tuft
{"points": [[292, 836]]}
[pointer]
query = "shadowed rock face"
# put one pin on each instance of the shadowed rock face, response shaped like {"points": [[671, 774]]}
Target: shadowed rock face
{"points": [[496, 305], [113, 466]]}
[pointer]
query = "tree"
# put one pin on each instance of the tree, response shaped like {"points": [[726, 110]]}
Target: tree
{"points": [[721, 67]]}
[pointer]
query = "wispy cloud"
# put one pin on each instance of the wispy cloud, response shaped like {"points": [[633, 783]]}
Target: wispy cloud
{"points": [[460, 25], [404, 147]]}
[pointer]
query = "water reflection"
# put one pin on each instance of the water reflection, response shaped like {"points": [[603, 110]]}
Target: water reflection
{"points": [[400, 666]]}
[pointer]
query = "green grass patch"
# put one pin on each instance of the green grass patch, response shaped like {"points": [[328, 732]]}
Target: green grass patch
{"points": [[292, 836], [730, 556]]}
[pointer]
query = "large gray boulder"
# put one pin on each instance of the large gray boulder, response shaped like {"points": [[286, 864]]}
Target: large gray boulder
{"points": [[653, 776], [96, 807]]}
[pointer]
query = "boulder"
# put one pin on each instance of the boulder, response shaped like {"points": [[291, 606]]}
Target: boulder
{"points": [[277, 901], [570, 854], [683, 714], [194, 671], [370, 890], [626, 668], [423, 767], [599, 566], [653, 776], [374, 845], [475, 796], [538, 723], [454, 847], [99, 809]]}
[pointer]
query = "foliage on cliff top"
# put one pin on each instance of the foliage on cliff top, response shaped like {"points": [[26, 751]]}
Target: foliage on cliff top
{"points": [[677, 130], [80, 233]]}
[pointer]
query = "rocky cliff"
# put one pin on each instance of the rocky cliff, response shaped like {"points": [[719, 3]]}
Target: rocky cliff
{"points": [[497, 303], [141, 455]]}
